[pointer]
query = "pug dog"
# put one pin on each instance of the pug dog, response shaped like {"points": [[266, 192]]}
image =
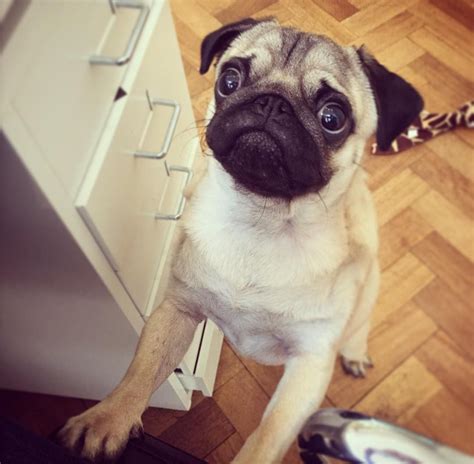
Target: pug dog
{"points": [[279, 241]]}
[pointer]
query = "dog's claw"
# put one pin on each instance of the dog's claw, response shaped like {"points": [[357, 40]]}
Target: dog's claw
{"points": [[99, 433], [356, 368], [137, 431]]}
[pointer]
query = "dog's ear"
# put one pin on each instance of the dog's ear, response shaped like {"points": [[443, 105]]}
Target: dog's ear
{"points": [[398, 103], [216, 42]]}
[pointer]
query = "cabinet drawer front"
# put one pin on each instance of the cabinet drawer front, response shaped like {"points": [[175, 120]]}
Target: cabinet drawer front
{"points": [[63, 98], [203, 376], [122, 194]]}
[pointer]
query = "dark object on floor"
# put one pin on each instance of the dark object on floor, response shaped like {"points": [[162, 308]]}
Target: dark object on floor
{"points": [[150, 450], [20, 446], [428, 125]]}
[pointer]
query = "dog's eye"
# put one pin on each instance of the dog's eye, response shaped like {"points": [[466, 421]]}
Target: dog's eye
{"points": [[229, 81], [332, 117]]}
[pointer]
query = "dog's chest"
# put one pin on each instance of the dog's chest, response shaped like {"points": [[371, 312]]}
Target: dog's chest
{"points": [[268, 322], [275, 285], [274, 324]]}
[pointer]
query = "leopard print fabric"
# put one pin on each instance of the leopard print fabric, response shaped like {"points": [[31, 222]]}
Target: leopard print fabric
{"points": [[428, 125]]}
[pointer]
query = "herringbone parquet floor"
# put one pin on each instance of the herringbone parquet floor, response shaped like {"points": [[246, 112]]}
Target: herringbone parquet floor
{"points": [[422, 341]]}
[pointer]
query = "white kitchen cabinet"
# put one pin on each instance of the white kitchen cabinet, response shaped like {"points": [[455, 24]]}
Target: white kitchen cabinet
{"points": [[86, 223], [61, 98], [122, 193]]}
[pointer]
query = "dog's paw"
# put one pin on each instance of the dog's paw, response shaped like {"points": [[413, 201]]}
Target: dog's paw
{"points": [[100, 433], [356, 368]]}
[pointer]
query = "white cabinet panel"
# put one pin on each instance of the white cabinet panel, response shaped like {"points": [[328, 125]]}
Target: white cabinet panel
{"points": [[77, 140], [122, 193], [62, 98], [189, 362], [203, 375]]}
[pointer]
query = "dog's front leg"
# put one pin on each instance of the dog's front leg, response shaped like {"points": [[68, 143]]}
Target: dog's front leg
{"points": [[102, 431], [299, 393]]}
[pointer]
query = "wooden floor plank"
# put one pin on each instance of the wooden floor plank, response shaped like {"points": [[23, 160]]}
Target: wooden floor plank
{"points": [[278, 11], [316, 20], [191, 53], [455, 89], [361, 4], [450, 265], [229, 366], [399, 234], [449, 56], [214, 7], [338, 9], [267, 376], [226, 451], [419, 80], [449, 311], [242, 9], [399, 54], [449, 182], [444, 358], [389, 32], [448, 220], [454, 33], [157, 420], [400, 395], [399, 284], [392, 342], [397, 194], [466, 134], [448, 421], [382, 168], [201, 430], [455, 151], [243, 401], [375, 14], [201, 105], [460, 10], [197, 18]]}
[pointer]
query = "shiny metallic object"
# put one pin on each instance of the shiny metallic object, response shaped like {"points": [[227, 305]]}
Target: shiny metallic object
{"points": [[132, 41], [354, 437], [179, 212], [169, 131]]}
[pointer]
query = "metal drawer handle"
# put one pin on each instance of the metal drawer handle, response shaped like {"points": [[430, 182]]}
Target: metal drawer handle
{"points": [[169, 132], [134, 37], [182, 203]]}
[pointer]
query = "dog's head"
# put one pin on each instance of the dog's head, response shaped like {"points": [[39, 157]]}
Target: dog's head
{"points": [[294, 110]]}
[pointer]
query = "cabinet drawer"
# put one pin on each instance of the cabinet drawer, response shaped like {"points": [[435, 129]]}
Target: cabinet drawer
{"points": [[62, 97], [128, 200], [203, 375]]}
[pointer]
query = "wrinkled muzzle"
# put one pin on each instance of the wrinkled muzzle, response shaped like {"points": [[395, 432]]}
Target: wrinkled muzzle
{"points": [[265, 148]]}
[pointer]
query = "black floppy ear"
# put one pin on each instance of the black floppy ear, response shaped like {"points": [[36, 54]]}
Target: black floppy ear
{"points": [[398, 103], [216, 42]]}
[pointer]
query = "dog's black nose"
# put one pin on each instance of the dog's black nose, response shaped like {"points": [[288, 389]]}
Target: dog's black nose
{"points": [[272, 106]]}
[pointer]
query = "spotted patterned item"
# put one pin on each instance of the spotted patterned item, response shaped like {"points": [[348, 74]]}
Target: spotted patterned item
{"points": [[428, 125]]}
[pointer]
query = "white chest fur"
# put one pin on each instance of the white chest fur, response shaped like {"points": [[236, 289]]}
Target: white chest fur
{"points": [[276, 278], [252, 241]]}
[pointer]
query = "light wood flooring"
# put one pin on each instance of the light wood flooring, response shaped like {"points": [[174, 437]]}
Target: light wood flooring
{"points": [[422, 341]]}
